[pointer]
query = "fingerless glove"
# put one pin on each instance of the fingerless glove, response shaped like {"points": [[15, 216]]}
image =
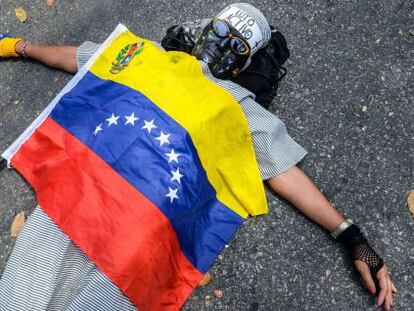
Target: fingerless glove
{"points": [[7, 46], [357, 244]]}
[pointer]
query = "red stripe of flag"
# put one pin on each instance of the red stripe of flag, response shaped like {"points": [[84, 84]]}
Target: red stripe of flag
{"points": [[83, 194]]}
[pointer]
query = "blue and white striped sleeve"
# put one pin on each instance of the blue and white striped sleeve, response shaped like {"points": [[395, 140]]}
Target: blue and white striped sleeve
{"points": [[84, 52], [276, 151]]}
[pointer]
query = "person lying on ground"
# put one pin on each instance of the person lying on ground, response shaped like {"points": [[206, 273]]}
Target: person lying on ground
{"points": [[223, 52]]}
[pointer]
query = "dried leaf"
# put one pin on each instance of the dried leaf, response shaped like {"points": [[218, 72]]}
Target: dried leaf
{"points": [[17, 224], [412, 32], [410, 201], [206, 280], [50, 2], [21, 14], [218, 293]]}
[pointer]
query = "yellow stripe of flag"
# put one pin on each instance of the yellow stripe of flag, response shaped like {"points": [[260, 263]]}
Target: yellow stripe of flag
{"points": [[215, 121]]}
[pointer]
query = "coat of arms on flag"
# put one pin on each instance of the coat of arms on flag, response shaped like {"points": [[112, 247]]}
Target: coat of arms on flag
{"points": [[146, 165], [125, 56]]}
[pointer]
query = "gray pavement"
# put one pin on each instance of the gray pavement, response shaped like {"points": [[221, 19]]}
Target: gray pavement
{"points": [[345, 55]]}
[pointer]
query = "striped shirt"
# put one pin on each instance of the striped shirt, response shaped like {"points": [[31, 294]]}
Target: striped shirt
{"points": [[46, 271]]}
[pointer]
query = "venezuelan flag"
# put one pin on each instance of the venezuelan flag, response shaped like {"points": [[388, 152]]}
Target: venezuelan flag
{"points": [[146, 165]]}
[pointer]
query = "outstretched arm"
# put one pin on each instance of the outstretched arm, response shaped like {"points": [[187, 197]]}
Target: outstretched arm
{"points": [[298, 189], [61, 57]]}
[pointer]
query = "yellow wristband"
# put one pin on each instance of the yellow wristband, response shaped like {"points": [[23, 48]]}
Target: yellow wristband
{"points": [[7, 47]]}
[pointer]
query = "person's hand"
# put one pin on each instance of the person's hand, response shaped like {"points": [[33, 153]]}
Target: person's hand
{"points": [[386, 286], [7, 45]]}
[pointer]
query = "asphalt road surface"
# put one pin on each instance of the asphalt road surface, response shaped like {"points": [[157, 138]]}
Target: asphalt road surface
{"points": [[347, 98]]}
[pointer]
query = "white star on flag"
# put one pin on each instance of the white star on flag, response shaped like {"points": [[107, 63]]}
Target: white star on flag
{"points": [[112, 120], [98, 129], [149, 125], [176, 175], [131, 119], [172, 156], [172, 194], [163, 138]]}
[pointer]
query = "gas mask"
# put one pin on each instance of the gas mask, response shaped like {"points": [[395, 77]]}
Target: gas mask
{"points": [[222, 48]]}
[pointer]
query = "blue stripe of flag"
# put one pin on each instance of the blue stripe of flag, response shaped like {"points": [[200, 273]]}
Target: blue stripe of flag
{"points": [[202, 223]]}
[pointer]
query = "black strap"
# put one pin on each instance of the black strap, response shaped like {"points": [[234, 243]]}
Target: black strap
{"points": [[177, 39]]}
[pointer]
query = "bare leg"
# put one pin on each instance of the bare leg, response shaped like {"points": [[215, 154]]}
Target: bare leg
{"points": [[298, 189], [60, 57]]}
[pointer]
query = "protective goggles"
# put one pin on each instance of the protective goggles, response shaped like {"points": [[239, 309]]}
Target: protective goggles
{"points": [[222, 30]]}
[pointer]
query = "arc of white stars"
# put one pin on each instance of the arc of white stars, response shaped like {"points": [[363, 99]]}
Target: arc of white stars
{"points": [[172, 194], [131, 119], [163, 138], [149, 125], [112, 120], [172, 156], [97, 129], [176, 175]]}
